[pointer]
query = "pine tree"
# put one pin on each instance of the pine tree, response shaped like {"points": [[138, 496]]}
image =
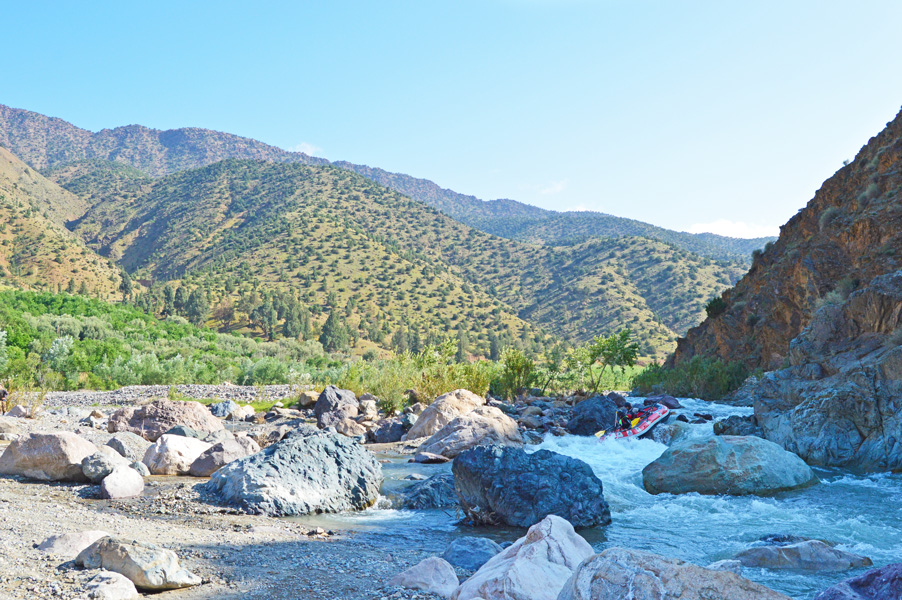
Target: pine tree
{"points": [[125, 286], [181, 300], [168, 301], [196, 308], [335, 335]]}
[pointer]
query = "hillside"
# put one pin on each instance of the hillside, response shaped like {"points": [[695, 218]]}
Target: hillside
{"points": [[48, 143], [36, 251], [849, 233]]}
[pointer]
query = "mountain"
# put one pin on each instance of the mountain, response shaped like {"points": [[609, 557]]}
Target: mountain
{"points": [[848, 234], [46, 143], [36, 250]]}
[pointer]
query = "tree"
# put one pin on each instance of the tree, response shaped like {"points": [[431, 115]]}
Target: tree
{"points": [[125, 286], [494, 347], [335, 335], [399, 341], [197, 307], [225, 313], [181, 300], [83, 289], [462, 355], [168, 301], [617, 350]]}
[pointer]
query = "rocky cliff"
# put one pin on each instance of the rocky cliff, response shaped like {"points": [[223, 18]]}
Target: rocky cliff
{"points": [[849, 233]]}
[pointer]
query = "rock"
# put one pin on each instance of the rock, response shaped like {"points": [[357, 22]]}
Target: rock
{"points": [[17, 412], [334, 405], [153, 420], [282, 413], [221, 454], [445, 409], [427, 458], [531, 422], [810, 555], [535, 567], [148, 566], [504, 485], [531, 411], [307, 399], [480, 426], [8, 426], [408, 420], [470, 553], [130, 445], [668, 401], [733, 566], [616, 398], [108, 585], [435, 492], [736, 425], [593, 415], [387, 431], [884, 583], [267, 436], [620, 573], [726, 465], [186, 432], [102, 463], [173, 454], [431, 575], [140, 468], [47, 456], [350, 428], [369, 407], [242, 413], [223, 409], [682, 418], [218, 436], [416, 409], [68, 545], [123, 482], [671, 433], [310, 471]]}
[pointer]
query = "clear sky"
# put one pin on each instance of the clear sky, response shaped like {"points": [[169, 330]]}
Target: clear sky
{"points": [[678, 113]]}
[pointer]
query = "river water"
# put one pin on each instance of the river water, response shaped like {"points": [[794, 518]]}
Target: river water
{"points": [[859, 513]]}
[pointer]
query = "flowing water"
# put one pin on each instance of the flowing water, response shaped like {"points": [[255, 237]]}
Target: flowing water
{"points": [[859, 513]]}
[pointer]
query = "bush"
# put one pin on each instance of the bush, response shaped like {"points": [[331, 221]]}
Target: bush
{"points": [[715, 306], [518, 373], [828, 217], [700, 377]]}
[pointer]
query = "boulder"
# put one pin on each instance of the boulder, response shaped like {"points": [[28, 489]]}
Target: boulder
{"points": [[671, 433], [153, 420], [306, 399], [149, 567], [130, 445], [47, 456], [350, 428], [17, 412], [310, 471], [185, 431], [877, 584], [221, 454], [140, 468], [482, 425], [593, 415], [504, 485], [223, 409], [108, 585], [334, 405], [242, 413], [387, 431], [445, 409], [8, 426], [68, 545], [369, 407], [470, 553], [726, 465], [102, 463], [733, 566], [668, 401], [218, 436], [535, 567], [736, 425], [123, 482], [173, 454], [620, 573], [432, 575], [435, 492], [267, 436], [427, 458], [809, 555], [415, 409]]}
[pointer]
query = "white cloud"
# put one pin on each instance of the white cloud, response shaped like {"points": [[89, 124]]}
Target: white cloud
{"points": [[736, 229], [306, 148], [555, 188]]}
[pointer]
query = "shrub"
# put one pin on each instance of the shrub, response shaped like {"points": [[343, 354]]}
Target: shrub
{"points": [[715, 306], [518, 373], [828, 217], [700, 377]]}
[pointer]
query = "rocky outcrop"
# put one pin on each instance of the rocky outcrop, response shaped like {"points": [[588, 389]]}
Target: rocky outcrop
{"points": [[808, 555], [840, 401], [310, 471], [620, 573], [433, 575], [173, 454], [877, 584], [154, 419], [593, 415], [726, 465], [505, 485], [850, 233], [442, 411], [149, 567], [481, 426], [47, 456], [535, 567]]}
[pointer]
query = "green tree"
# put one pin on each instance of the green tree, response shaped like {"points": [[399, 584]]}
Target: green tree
{"points": [[618, 350], [335, 335], [181, 300], [463, 346], [168, 301], [125, 286], [197, 307], [494, 347]]}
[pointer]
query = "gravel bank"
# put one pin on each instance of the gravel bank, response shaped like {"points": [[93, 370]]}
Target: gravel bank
{"points": [[141, 393]]}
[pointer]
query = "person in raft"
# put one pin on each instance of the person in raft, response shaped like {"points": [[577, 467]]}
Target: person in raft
{"points": [[625, 417]]}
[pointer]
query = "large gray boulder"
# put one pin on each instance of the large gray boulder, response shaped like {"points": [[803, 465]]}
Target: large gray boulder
{"points": [[102, 463], [334, 406], [223, 409], [808, 555], [877, 584], [221, 454], [726, 465], [47, 456], [149, 567], [593, 415], [505, 485], [619, 573], [153, 420], [840, 401], [481, 426], [130, 445], [310, 471], [435, 492]]}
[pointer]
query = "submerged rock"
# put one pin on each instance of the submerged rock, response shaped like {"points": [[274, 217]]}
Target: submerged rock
{"points": [[435, 492], [504, 485], [726, 465], [470, 553], [809, 555], [878, 584], [47, 456]]}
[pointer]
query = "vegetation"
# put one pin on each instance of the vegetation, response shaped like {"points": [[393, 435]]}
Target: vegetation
{"points": [[699, 377]]}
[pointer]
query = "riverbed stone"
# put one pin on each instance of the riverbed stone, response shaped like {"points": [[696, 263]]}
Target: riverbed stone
{"points": [[809, 555], [334, 405], [123, 482], [470, 552], [668, 401], [387, 431], [619, 573], [108, 585], [738, 425], [68, 545], [148, 566], [102, 463], [173, 454], [735, 465], [505, 485], [310, 471], [130, 445], [877, 584], [8, 426], [442, 411], [221, 454], [535, 567], [593, 415], [428, 458], [223, 409], [350, 428], [433, 575], [434, 492], [47, 456], [733, 566], [482, 425], [242, 413], [153, 420], [140, 468]]}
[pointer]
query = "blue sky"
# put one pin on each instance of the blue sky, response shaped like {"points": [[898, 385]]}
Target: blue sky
{"points": [[677, 113]]}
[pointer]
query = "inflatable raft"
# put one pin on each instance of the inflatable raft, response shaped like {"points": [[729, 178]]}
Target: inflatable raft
{"points": [[647, 418]]}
